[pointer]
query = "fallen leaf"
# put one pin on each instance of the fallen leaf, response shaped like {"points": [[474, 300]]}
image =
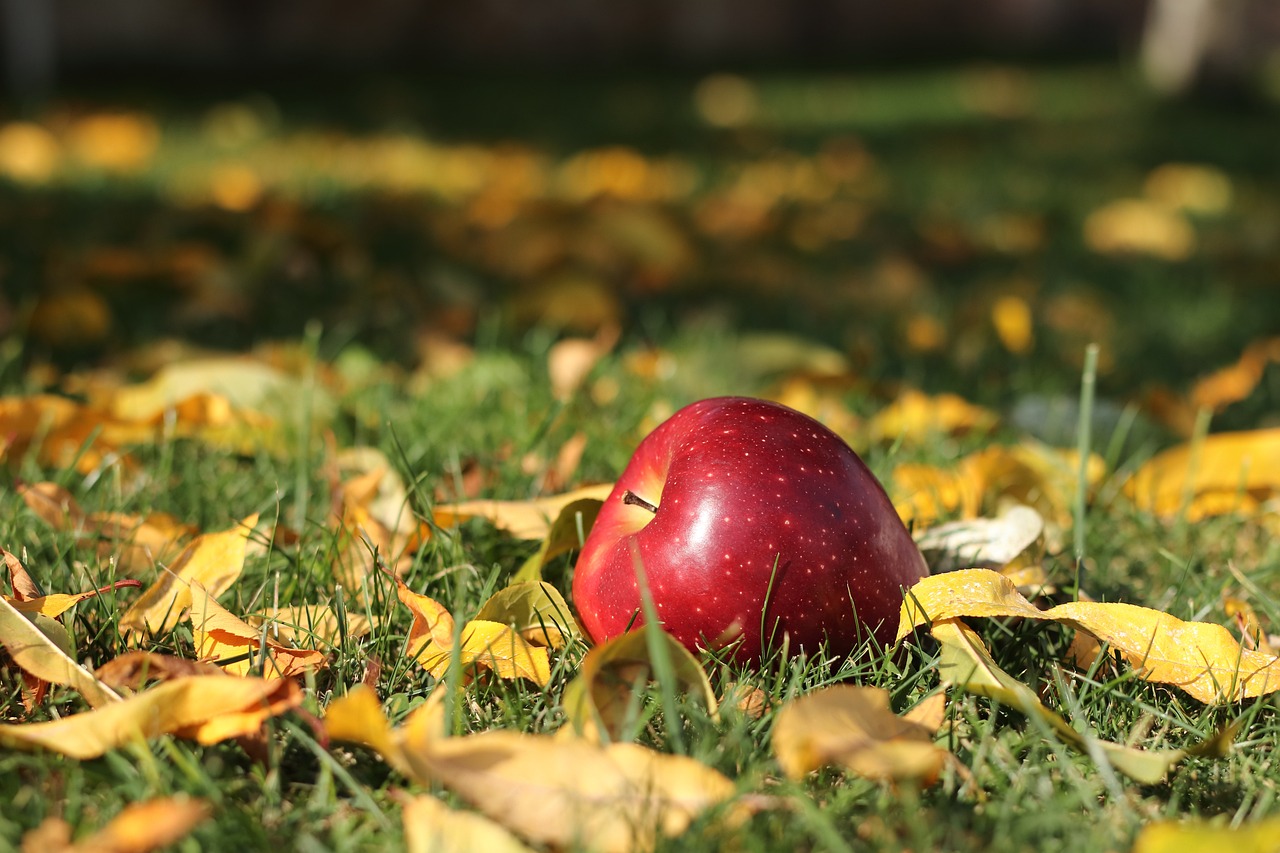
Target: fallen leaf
{"points": [[1205, 836], [567, 533], [227, 641], [138, 828], [1192, 187], [40, 647], [1011, 316], [533, 609], [1247, 623], [1201, 658], [1012, 542], [529, 519], [311, 624], [1224, 472], [1139, 226], [1236, 382], [1030, 473], [597, 703], [915, 418], [205, 708], [136, 542], [213, 560], [432, 827], [966, 663], [548, 790], [852, 726], [490, 645], [133, 670], [571, 360]]}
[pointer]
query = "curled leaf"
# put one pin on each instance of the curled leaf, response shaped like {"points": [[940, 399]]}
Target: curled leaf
{"points": [[598, 701], [533, 609], [566, 534], [490, 645], [967, 663], [213, 560], [1201, 658], [40, 647], [224, 639]]}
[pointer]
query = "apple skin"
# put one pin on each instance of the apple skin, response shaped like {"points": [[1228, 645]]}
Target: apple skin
{"points": [[741, 484]]}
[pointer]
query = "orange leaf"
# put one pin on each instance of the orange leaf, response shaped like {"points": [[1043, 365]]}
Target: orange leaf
{"points": [[139, 828], [219, 635]]}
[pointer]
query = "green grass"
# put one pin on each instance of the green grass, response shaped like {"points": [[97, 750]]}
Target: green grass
{"points": [[374, 276]]}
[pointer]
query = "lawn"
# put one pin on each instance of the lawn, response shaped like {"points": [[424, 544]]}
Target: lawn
{"points": [[300, 331]]}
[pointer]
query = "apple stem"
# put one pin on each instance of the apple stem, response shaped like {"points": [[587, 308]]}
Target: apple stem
{"points": [[630, 497]]}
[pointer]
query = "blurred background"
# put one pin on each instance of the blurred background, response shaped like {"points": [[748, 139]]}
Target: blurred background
{"points": [[946, 194]]}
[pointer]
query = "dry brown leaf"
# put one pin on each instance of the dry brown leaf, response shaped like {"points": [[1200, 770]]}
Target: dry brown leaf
{"points": [[432, 827], [529, 519], [491, 645], [138, 828], [132, 670], [1199, 657], [221, 638], [206, 708], [915, 418], [213, 560], [548, 790], [1222, 473], [852, 726]]}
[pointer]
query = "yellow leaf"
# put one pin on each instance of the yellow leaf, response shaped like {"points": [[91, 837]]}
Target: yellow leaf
{"points": [[245, 383], [1199, 657], [207, 708], [522, 519], [38, 655], [1139, 226], [1011, 316], [915, 417], [432, 827], [1190, 187], [213, 560], [221, 636], [967, 663], [29, 153], [548, 790], [491, 645], [533, 609], [1219, 473], [1030, 473], [852, 726], [596, 702], [1203, 836], [138, 828], [567, 533]]}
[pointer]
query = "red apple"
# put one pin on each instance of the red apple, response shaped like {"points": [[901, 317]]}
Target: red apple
{"points": [[735, 505]]}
